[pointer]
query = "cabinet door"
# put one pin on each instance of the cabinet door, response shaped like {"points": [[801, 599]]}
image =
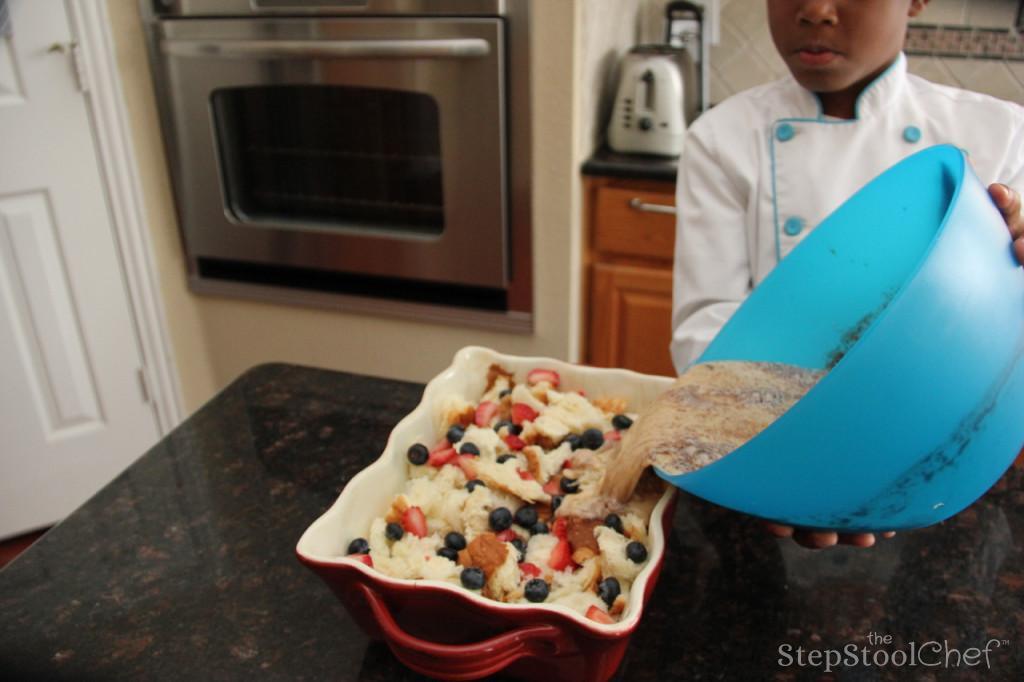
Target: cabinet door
{"points": [[630, 318], [632, 222]]}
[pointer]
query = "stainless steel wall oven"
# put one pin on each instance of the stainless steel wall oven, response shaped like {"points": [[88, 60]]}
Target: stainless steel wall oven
{"points": [[369, 154]]}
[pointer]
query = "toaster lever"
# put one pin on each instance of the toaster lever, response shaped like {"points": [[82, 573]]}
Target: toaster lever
{"points": [[648, 80]]}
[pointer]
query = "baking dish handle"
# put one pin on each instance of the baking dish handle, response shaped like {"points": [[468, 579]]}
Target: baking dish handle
{"points": [[463, 661]]}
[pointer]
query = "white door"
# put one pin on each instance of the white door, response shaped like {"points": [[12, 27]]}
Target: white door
{"points": [[73, 412]]}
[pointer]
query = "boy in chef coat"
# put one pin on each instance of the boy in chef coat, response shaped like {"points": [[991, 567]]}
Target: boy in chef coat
{"points": [[765, 166]]}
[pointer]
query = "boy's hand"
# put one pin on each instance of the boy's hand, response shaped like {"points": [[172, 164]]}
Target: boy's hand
{"points": [[822, 539], [1008, 202]]}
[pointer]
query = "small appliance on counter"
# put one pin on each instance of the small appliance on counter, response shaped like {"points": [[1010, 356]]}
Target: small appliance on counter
{"points": [[649, 112]]}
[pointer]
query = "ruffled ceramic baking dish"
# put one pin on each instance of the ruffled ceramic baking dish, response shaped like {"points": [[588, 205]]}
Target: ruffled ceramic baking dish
{"points": [[448, 632]]}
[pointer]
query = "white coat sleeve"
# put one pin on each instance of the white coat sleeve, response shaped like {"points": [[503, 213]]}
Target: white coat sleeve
{"points": [[711, 275], [1013, 172]]}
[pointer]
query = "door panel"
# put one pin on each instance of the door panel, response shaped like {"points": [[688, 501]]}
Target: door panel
{"points": [[630, 318], [38, 304]]}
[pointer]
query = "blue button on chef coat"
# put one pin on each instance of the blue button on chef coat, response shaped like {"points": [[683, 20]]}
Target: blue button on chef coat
{"points": [[784, 132], [793, 226]]}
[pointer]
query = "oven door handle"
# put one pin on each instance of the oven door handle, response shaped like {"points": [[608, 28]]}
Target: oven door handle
{"points": [[285, 49]]}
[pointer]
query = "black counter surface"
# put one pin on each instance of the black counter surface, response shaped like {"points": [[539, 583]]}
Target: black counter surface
{"points": [[184, 567], [631, 166]]}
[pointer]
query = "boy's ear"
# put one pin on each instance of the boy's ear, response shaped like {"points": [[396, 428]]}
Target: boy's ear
{"points": [[916, 7]]}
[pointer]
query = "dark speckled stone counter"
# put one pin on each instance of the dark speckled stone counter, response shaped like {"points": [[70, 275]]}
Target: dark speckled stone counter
{"points": [[184, 567]]}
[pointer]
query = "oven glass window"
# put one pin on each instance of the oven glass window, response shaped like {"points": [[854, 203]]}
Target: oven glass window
{"points": [[331, 157]]}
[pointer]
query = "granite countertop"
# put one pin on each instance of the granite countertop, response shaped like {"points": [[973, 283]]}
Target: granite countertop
{"points": [[184, 567], [631, 166]]}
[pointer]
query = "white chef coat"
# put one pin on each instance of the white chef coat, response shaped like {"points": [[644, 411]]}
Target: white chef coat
{"points": [[765, 166]]}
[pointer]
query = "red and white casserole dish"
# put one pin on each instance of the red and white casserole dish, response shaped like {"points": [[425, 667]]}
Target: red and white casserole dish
{"points": [[444, 630]]}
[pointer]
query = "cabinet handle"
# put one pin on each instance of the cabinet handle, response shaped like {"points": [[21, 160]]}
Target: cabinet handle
{"points": [[638, 204]]}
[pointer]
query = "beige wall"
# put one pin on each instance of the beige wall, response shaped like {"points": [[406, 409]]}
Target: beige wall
{"points": [[215, 339]]}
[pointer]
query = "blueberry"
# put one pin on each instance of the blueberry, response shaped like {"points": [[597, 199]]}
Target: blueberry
{"points": [[536, 590], [500, 519], [509, 427], [592, 439], [418, 453], [615, 523], [621, 422], [539, 528], [569, 485], [608, 589], [358, 546], [455, 540], [556, 502], [394, 531], [503, 393], [574, 440], [514, 429], [470, 485], [455, 434], [472, 578], [504, 458], [448, 553], [526, 516], [469, 449], [636, 552], [521, 548]]}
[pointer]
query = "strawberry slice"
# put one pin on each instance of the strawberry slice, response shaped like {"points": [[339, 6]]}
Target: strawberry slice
{"points": [[514, 442], [521, 412], [530, 569], [567, 464], [507, 535], [561, 555], [553, 486], [525, 475], [559, 527], [599, 616], [467, 463], [362, 558], [439, 458], [413, 521], [485, 411], [613, 435], [536, 376], [442, 444]]}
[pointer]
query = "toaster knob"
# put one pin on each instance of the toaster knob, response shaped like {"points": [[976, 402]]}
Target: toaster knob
{"points": [[645, 123]]}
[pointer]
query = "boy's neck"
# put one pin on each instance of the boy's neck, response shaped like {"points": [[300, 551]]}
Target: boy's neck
{"points": [[843, 103], [839, 104]]}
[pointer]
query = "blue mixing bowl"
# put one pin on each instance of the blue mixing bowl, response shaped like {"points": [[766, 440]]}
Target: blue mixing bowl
{"points": [[909, 293]]}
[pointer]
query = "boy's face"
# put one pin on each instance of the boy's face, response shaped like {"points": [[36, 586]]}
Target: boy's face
{"points": [[834, 46]]}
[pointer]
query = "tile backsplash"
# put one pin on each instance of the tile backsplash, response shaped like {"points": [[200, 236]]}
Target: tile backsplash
{"points": [[745, 55]]}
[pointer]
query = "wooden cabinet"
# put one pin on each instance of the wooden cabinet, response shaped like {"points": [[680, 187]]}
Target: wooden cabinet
{"points": [[628, 269]]}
